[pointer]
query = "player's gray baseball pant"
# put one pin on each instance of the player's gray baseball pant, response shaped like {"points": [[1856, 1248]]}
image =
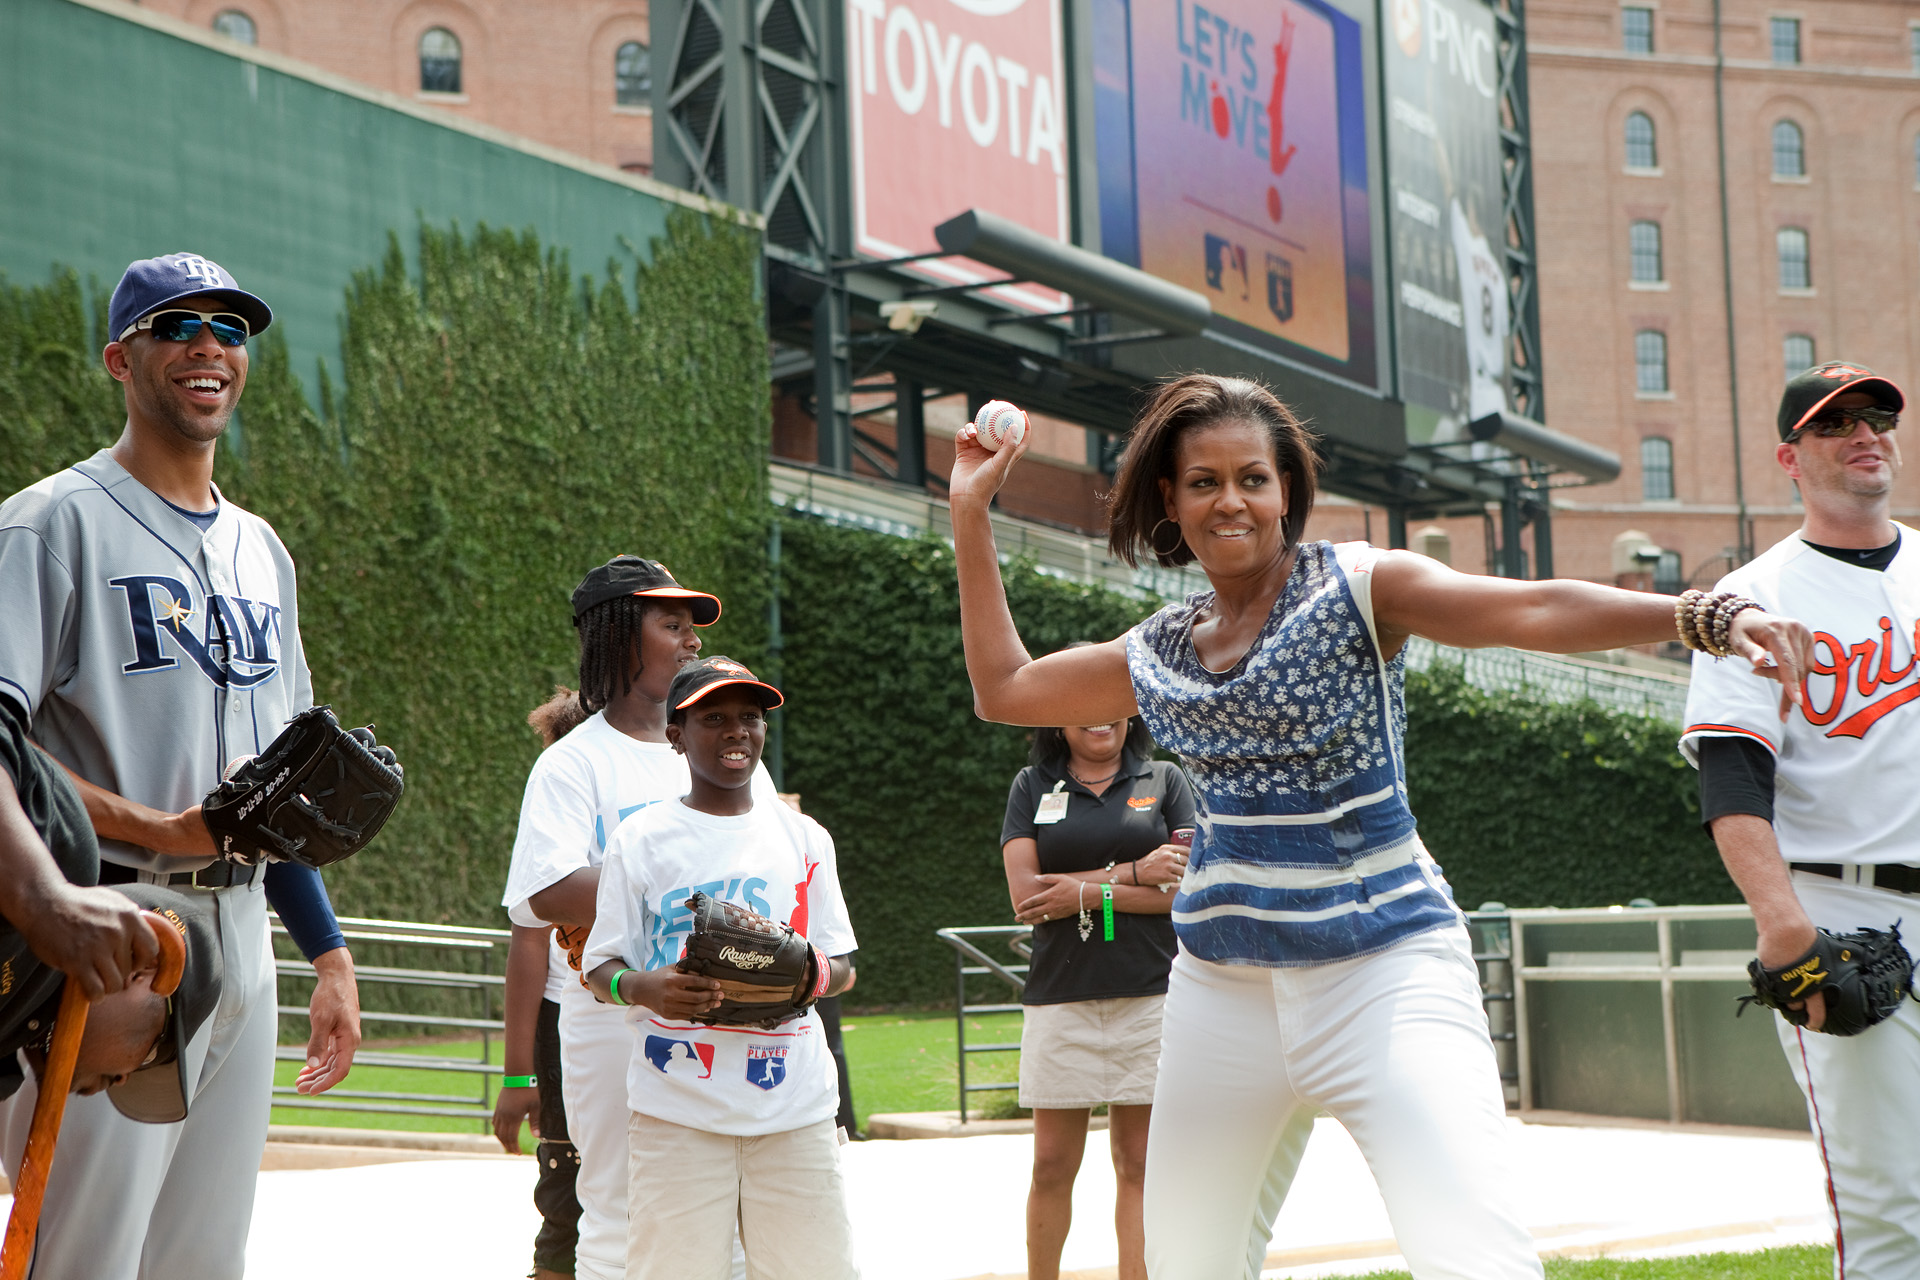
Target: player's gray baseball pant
{"points": [[1395, 1047], [131, 1201]]}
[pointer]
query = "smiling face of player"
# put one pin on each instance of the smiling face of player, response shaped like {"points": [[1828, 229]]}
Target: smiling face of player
{"points": [[722, 736], [1857, 467], [668, 641], [1229, 497], [183, 390]]}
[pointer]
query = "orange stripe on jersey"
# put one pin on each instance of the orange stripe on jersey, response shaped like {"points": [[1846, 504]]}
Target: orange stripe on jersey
{"points": [[1731, 728]]}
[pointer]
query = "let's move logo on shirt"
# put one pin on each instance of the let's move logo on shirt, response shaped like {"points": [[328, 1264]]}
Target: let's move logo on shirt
{"points": [[1852, 687]]}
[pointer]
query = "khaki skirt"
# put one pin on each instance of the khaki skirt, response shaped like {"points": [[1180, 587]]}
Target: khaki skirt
{"points": [[1087, 1052]]}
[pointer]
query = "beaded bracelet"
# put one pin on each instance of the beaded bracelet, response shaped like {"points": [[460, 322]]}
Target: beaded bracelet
{"points": [[1705, 622]]}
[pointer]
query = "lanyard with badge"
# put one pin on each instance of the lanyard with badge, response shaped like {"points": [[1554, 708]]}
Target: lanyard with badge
{"points": [[1053, 805]]}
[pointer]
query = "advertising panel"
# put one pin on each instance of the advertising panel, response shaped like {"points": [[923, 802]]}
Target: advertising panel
{"points": [[1443, 166], [956, 105], [1232, 150]]}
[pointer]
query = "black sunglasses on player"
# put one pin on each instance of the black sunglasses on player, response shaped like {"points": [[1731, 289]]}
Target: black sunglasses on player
{"points": [[229, 330], [1841, 422]]}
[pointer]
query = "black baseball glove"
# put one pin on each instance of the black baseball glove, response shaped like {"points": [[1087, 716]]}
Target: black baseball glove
{"points": [[768, 973], [317, 794], [1863, 975]]}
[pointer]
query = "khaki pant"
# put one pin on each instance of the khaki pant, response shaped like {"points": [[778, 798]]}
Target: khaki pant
{"points": [[687, 1189]]}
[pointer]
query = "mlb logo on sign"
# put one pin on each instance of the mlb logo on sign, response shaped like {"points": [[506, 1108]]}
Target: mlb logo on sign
{"points": [[680, 1057], [766, 1065]]}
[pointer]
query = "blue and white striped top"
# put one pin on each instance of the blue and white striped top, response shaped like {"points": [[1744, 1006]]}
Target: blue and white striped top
{"points": [[1306, 852]]}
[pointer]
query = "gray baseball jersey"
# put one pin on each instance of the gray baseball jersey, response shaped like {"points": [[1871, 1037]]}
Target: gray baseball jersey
{"points": [[146, 653]]}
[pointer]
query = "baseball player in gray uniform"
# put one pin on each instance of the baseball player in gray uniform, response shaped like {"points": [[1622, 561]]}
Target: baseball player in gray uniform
{"points": [[152, 637]]}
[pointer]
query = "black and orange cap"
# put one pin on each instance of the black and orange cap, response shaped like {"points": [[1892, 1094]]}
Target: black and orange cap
{"points": [[635, 576], [701, 677], [1808, 393]]}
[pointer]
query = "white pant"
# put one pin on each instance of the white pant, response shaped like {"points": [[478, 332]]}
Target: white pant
{"points": [[163, 1201], [1864, 1103], [782, 1191], [595, 1050], [1395, 1047]]}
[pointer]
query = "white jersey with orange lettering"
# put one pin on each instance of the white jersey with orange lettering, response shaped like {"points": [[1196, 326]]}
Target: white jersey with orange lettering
{"points": [[1844, 787], [1845, 809]]}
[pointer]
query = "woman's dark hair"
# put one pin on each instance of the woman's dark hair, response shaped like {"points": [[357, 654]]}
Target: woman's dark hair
{"points": [[609, 640], [1050, 750], [1184, 404]]}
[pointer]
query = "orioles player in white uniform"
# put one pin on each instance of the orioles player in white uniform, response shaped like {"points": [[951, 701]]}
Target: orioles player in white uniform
{"points": [[637, 628], [731, 1126], [152, 637], [1818, 818]]}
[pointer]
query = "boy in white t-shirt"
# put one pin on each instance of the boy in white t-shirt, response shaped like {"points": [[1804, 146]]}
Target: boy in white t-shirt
{"points": [[730, 1124]]}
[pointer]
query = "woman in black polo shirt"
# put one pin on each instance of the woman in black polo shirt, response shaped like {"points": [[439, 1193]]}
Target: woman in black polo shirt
{"points": [[1092, 867]]}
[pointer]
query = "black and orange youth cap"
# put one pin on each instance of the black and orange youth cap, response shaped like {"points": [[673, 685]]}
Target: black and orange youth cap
{"points": [[701, 677], [634, 576], [1808, 393]]}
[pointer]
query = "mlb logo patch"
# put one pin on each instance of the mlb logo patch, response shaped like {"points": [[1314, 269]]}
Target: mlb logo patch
{"points": [[766, 1065], [680, 1057]]}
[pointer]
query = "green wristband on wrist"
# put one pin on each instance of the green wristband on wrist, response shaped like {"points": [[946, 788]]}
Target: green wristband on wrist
{"points": [[518, 1082], [615, 985], [1106, 911]]}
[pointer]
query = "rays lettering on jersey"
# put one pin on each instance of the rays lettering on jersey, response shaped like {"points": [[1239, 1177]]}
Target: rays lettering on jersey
{"points": [[672, 922], [1865, 668], [237, 645]]}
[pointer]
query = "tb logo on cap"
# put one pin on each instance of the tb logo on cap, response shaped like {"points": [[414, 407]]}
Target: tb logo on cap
{"points": [[199, 270]]}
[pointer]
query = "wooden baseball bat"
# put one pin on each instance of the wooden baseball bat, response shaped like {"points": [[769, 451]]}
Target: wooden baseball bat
{"points": [[55, 1080]]}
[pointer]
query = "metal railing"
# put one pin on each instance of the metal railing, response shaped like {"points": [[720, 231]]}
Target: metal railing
{"points": [[1555, 678], [479, 988], [1493, 952]]}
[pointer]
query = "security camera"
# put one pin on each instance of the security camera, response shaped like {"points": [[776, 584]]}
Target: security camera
{"points": [[1647, 553], [907, 317]]}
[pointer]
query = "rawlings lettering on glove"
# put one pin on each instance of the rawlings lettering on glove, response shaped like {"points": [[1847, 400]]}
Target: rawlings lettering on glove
{"points": [[1863, 975], [317, 794], [768, 974]]}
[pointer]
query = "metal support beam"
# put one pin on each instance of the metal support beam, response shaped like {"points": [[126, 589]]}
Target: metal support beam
{"points": [[910, 432], [832, 381], [1525, 391], [1397, 528], [1513, 556], [1543, 539]]}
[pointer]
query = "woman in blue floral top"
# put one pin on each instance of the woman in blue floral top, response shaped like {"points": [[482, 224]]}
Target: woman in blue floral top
{"points": [[1322, 964]]}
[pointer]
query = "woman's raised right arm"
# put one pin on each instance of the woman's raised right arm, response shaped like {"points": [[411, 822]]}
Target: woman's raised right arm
{"points": [[1078, 686]]}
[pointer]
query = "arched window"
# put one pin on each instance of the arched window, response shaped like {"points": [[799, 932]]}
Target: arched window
{"points": [[632, 75], [439, 61], [1656, 469], [1796, 269], [1796, 353], [235, 25], [1650, 360], [1643, 242], [1641, 152], [1789, 150]]}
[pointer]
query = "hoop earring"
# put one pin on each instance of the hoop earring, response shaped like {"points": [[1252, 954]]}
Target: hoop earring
{"points": [[1153, 538]]}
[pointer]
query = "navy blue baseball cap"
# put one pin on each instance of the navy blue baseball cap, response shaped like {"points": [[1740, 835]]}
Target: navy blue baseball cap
{"points": [[153, 283], [161, 1090]]}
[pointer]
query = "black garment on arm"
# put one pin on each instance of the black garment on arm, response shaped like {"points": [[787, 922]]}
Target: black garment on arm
{"points": [[1129, 820], [1736, 776], [29, 989]]}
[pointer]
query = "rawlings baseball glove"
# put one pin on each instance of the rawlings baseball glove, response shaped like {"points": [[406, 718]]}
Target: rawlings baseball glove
{"points": [[1864, 976], [317, 794], [768, 974]]}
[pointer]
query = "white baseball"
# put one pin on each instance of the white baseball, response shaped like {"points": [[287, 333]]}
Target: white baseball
{"points": [[234, 766], [1000, 424]]}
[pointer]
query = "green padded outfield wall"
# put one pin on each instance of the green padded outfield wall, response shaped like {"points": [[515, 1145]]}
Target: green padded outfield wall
{"points": [[124, 135]]}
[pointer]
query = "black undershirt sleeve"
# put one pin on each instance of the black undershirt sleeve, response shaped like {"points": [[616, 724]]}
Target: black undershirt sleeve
{"points": [[1736, 776]]}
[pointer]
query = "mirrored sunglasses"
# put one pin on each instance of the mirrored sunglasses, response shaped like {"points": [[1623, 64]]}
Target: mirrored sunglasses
{"points": [[229, 330], [1841, 422]]}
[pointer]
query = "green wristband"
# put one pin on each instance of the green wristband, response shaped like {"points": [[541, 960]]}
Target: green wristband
{"points": [[1106, 911], [518, 1082], [615, 986]]}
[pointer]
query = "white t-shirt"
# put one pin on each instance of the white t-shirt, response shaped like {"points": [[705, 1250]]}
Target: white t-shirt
{"points": [[582, 788], [1843, 786], [741, 1081]]}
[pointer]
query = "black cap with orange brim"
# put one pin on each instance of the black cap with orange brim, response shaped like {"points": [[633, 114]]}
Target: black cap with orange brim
{"points": [[634, 576], [1810, 392], [701, 677]]}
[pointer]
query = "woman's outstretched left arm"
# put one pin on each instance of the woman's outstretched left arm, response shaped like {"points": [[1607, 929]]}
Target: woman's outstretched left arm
{"points": [[1416, 595]]}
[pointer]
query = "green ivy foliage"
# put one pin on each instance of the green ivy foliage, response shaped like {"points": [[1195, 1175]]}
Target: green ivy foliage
{"points": [[883, 745], [1538, 804], [500, 426]]}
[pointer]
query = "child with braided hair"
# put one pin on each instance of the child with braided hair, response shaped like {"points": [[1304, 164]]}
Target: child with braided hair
{"points": [[609, 760]]}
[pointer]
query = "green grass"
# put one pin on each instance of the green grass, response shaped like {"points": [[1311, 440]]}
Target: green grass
{"points": [[1800, 1262], [898, 1062]]}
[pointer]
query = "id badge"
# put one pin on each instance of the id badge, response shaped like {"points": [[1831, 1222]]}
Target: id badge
{"points": [[1053, 806]]}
